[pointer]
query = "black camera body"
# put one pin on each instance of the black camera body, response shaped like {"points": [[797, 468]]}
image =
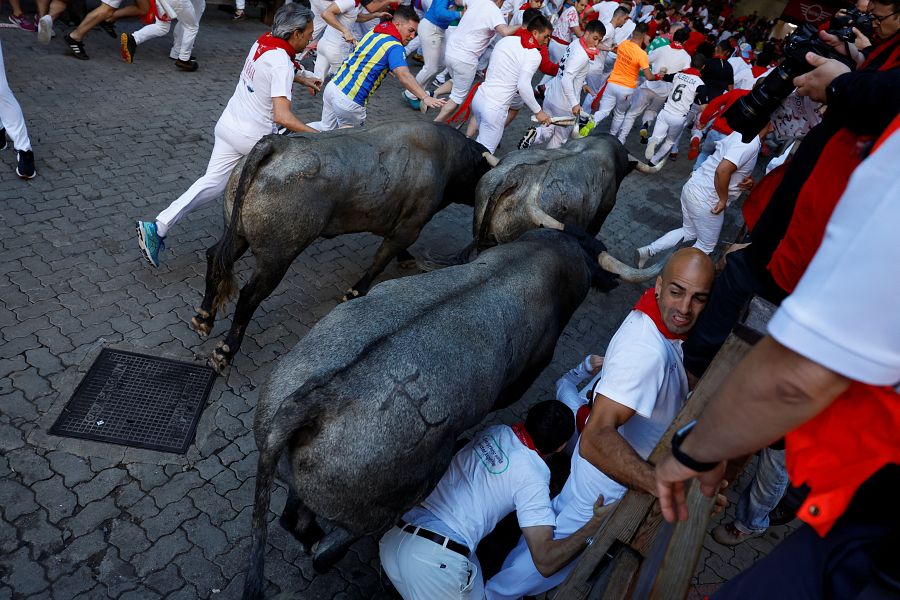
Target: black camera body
{"points": [[751, 113]]}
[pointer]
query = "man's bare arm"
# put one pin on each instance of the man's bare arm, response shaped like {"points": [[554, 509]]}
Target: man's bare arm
{"points": [[604, 447], [284, 116], [551, 555]]}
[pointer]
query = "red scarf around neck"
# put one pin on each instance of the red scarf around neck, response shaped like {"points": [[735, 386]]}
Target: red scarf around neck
{"points": [[389, 28], [519, 430], [591, 51], [650, 307], [527, 39], [691, 71], [676, 45], [267, 42], [525, 6]]}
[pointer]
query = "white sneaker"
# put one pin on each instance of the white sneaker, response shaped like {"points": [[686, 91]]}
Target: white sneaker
{"points": [[651, 149], [45, 29], [642, 255]]}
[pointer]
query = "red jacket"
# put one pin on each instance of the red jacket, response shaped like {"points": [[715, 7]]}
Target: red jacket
{"points": [[717, 107]]}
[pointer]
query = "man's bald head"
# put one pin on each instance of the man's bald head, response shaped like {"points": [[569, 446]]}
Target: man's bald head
{"points": [[683, 287]]}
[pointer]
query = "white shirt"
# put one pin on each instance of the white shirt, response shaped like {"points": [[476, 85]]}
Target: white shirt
{"points": [[702, 181], [564, 25], [510, 71], [843, 314], [250, 108], [475, 31], [643, 371], [349, 9], [743, 74], [624, 32], [564, 90], [672, 60], [793, 118], [605, 10], [490, 477], [684, 91]]}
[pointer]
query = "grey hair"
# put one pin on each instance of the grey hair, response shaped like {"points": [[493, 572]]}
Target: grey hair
{"points": [[290, 18]]}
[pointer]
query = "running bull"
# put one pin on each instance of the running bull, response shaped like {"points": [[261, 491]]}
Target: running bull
{"points": [[363, 413], [388, 180]]}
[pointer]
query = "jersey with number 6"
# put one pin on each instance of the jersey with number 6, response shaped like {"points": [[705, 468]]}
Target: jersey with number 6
{"points": [[686, 87]]}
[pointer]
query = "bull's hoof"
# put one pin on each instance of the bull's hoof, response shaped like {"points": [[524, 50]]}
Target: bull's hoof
{"points": [[221, 358], [406, 260], [202, 324], [307, 538], [350, 294]]}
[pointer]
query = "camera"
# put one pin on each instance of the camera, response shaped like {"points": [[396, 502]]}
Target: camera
{"points": [[751, 113]]}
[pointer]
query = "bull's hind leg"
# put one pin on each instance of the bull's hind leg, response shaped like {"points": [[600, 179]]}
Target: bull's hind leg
{"points": [[300, 522], [331, 549], [268, 274], [203, 321], [390, 248]]}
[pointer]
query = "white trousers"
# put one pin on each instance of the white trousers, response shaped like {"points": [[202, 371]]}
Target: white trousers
{"points": [[698, 223], [189, 13], [329, 57], [338, 110], [424, 570], [644, 101], [616, 99], [433, 40], [463, 75], [666, 130], [491, 122], [11, 117], [230, 146], [554, 135]]}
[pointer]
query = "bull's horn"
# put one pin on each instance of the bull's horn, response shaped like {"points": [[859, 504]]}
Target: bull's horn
{"points": [[614, 265], [644, 167], [536, 213], [491, 159]]}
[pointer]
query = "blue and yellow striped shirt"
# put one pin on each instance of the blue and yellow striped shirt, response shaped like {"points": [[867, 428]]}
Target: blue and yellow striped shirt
{"points": [[373, 57]]}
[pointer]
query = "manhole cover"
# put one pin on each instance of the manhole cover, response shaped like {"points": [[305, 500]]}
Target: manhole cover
{"points": [[137, 400]]}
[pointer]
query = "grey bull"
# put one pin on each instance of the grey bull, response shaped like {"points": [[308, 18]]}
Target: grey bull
{"points": [[389, 180], [364, 411]]}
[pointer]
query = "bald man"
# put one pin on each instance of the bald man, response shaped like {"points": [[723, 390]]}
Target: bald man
{"points": [[640, 390]]}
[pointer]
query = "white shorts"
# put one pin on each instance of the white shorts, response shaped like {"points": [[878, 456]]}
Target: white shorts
{"points": [[114, 4], [463, 75]]}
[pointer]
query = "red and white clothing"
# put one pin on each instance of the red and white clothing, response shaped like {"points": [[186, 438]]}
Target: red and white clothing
{"points": [[563, 33], [268, 73], [605, 10], [332, 49], [514, 62], [564, 92], [470, 39], [686, 86], [643, 370], [496, 473], [698, 196], [188, 13]]}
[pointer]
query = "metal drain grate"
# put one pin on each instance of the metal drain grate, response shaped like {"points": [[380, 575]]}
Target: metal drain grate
{"points": [[137, 400]]}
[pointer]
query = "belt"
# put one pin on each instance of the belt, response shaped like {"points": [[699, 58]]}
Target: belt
{"points": [[434, 537]]}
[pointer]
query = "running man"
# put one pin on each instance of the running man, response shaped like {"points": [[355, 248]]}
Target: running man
{"points": [[687, 89], [188, 13]]}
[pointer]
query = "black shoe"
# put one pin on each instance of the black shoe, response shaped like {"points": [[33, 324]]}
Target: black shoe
{"points": [[194, 58], [25, 169], [76, 49], [3, 143], [187, 65], [109, 28]]}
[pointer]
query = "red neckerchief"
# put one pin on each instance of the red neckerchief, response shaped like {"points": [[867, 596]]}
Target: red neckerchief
{"points": [[676, 46], [525, 6], [650, 307], [388, 28], [267, 42], [519, 430], [591, 51], [527, 39], [691, 71]]}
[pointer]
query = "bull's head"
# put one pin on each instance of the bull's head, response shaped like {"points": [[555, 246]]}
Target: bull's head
{"points": [[605, 260]]}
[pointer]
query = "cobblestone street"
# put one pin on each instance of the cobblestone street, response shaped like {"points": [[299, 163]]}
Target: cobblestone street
{"points": [[114, 143]]}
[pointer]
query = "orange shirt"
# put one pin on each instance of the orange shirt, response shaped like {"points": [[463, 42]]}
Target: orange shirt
{"points": [[630, 59]]}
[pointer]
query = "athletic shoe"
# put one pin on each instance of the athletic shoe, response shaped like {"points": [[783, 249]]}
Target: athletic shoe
{"points": [[45, 29], [173, 58], [127, 47], [644, 132], [22, 22], [416, 56], [109, 28], [76, 49], [151, 243], [694, 152], [528, 138], [25, 168], [187, 65], [414, 103], [673, 156], [583, 120], [239, 15], [641, 256], [3, 143], [729, 535], [651, 149], [586, 129]]}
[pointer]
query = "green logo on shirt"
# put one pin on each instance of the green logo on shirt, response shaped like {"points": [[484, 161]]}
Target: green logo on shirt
{"points": [[491, 455]]}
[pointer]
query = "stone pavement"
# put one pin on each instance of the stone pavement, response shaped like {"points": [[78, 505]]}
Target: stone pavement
{"points": [[117, 142]]}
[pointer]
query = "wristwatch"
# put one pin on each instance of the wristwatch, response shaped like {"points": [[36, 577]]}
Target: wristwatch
{"points": [[683, 458]]}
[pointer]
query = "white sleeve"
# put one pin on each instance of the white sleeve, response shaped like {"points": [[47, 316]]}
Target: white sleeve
{"points": [[843, 314], [633, 370], [574, 64], [532, 501], [529, 66], [345, 5], [282, 79], [567, 385], [735, 150]]}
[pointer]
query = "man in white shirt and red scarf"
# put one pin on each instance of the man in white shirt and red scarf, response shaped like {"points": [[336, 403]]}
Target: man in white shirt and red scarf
{"points": [[430, 554], [514, 62], [261, 103], [642, 387]]}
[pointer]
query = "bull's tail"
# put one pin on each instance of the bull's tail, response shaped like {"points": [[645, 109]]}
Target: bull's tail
{"points": [[223, 261], [254, 584]]}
